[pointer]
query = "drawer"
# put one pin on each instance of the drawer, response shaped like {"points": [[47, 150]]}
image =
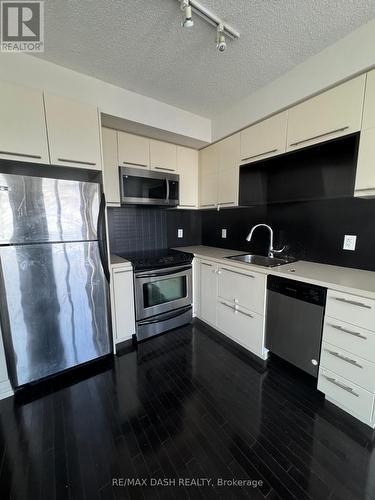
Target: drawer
{"points": [[246, 289], [349, 366], [351, 308], [241, 326], [347, 395], [350, 338]]}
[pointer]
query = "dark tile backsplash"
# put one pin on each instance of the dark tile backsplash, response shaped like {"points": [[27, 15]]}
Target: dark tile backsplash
{"points": [[134, 229], [313, 230]]}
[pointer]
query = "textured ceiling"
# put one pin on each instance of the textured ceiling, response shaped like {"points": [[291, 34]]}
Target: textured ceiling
{"points": [[140, 45]]}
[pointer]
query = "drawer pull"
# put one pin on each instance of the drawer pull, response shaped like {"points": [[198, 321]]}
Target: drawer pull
{"points": [[350, 332], [237, 272], [352, 302], [24, 155], [236, 310], [260, 154], [79, 162], [164, 168], [342, 386], [344, 358], [319, 136]]}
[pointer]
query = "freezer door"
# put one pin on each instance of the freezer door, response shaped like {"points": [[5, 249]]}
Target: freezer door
{"points": [[54, 308], [37, 209]]}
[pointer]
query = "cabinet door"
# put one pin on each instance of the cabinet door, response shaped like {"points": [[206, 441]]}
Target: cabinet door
{"points": [[228, 165], [264, 139], [133, 150], [73, 133], [23, 133], [110, 166], [163, 156], [187, 168], [208, 292], [208, 176], [333, 113], [123, 304], [369, 106], [365, 176]]}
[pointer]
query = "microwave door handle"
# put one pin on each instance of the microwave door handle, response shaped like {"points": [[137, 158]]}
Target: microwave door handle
{"points": [[167, 183]]}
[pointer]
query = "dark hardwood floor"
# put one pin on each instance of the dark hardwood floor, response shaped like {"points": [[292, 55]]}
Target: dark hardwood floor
{"points": [[182, 405]]}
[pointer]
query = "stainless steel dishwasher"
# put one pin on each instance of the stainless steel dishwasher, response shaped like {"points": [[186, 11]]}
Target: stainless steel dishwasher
{"points": [[294, 322]]}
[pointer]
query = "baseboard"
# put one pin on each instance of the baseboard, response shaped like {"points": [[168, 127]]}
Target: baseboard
{"points": [[5, 389]]}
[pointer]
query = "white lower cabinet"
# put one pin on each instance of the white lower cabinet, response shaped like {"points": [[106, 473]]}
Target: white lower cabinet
{"points": [[208, 291], [232, 301], [122, 301], [347, 360]]}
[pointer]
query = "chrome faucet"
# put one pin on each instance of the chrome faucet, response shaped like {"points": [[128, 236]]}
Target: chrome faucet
{"points": [[271, 250]]}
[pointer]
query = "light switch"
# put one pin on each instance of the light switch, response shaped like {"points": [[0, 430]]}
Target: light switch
{"points": [[180, 233], [350, 241], [223, 233]]}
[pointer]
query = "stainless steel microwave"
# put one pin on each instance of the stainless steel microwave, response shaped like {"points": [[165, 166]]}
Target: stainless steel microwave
{"points": [[147, 187]]}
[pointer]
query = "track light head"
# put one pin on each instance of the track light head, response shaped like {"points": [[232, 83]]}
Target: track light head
{"points": [[221, 44], [188, 20]]}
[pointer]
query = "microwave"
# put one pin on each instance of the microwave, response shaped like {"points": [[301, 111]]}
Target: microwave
{"points": [[147, 187]]}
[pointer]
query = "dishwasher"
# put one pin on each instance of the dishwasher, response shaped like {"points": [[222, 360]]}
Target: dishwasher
{"points": [[294, 322]]}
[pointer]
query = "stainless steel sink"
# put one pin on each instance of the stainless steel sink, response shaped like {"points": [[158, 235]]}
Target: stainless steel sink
{"points": [[261, 260]]}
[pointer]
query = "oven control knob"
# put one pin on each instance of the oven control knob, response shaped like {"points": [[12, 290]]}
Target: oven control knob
{"points": [[314, 362]]}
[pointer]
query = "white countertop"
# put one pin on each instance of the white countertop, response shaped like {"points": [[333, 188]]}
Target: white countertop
{"points": [[117, 261], [343, 279]]}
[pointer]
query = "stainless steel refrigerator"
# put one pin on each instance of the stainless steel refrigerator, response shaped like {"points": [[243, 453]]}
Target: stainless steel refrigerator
{"points": [[53, 275]]}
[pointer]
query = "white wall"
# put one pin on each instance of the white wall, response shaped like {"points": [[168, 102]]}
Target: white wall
{"points": [[350, 56], [34, 72]]}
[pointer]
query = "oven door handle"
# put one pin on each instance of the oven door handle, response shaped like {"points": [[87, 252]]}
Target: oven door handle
{"points": [[164, 317], [168, 273]]}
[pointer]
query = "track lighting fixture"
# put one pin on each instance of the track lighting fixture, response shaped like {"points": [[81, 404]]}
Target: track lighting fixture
{"points": [[223, 30], [188, 20], [221, 44]]}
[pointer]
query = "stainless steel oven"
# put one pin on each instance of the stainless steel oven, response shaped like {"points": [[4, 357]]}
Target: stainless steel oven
{"points": [[163, 299], [147, 187]]}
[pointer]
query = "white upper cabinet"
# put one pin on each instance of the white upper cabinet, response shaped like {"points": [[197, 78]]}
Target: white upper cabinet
{"points": [[133, 150], [369, 107], [333, 113], [228, 166], [365, 177], [23, 133], [110, 166], [163, 156], [264, 139], [208, 176], [73, 133], [187, 168]]}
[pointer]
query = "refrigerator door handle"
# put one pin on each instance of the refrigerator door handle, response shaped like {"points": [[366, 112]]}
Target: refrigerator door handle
{"points": [[102, 238]]}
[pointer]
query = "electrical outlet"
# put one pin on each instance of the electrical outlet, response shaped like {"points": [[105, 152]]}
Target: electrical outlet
{"points": [[223, 233], [180, 233], [350, 241]]}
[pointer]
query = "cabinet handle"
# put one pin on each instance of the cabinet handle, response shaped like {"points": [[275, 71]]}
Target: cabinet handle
{"points": [[237, 272], [205, 264], [79, 162], [260, 154], [319, 136], [352, 302], [143, 165], [344, 358], [209, 205], [350, 332], [226, 203], [24, 155], [342, 386], [237, 310], [187, 205], [163, 168]]}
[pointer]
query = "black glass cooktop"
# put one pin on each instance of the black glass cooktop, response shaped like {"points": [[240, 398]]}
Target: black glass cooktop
{"points": [[153, 259]]}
